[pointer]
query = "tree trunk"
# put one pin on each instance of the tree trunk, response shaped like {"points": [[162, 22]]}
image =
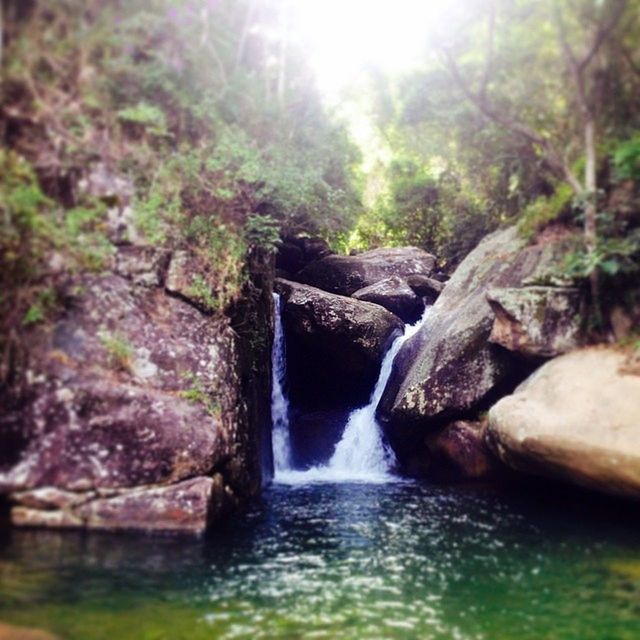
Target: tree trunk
{"points": [[591, 207]]}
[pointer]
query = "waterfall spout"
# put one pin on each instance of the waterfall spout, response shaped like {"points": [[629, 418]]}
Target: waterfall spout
{"points": [[279, 402]]}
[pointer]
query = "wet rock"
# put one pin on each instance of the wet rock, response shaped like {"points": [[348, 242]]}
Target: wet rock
{"points": [[449, 368], [186, 507], [577, 418], [334, 344], [345, 275], [459, 452], [395, 295], [314, 435], [425, 287], [537, 321]]}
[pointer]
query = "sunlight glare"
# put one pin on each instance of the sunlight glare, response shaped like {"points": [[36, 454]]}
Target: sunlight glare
{"points": [[344, 37]]}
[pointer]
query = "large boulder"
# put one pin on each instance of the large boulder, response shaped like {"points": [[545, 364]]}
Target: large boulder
{"points": [[576, 418], [449, 368], [125, 395], [395, 295], [537, 321], [335, 344], [345, 275]]}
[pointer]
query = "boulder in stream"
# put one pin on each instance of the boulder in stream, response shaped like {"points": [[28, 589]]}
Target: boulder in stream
{"points": [[395, 295], [335, 344], [577, 418], [344, 275], [450, 369]]}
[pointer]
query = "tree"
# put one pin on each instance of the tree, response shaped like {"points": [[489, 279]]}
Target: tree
{"points": [[601, 26]]}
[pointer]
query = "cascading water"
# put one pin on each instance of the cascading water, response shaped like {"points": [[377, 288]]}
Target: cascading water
{"points": [[361, 454], [279, 402]]}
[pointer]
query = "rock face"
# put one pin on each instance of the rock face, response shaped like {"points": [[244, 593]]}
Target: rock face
{"points": [[345, 275], [459, 452], [425, 287], [395, 295], [334, 344], [537, 321], [296, 253], [449, 368], [577, 418], [128, 404]]}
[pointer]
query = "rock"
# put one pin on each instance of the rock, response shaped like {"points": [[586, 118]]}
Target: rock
{"points": [[294, 253], [395, 295], [344, 275], [143, 265], [105, 435], [577, 418], [459, 452], [129, 389], [104, 184], [449, 368], [334, 344], [537, 321], [11, 632], [314, 435], [185, 507], [425, 287]]}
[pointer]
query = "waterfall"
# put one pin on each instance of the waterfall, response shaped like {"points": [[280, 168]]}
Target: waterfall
{"points": [[361, 454], [279, 402]]}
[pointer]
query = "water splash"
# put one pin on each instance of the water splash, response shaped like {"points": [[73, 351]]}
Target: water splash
{"points": [[362, 454], [279, 403]]}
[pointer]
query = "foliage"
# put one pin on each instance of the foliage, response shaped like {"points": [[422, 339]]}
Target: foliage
{"points": [[198, 394], [262, 232], [626, 159], [119, 352], [544, 210]]}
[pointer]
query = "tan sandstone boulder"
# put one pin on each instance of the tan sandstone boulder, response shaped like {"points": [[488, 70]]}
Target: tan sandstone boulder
{"points": [[577, 418]]}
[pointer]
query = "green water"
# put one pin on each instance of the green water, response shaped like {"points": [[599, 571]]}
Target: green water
{"points": [[342, 561]]}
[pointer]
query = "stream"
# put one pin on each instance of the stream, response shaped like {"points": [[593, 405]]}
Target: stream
{"points": [[344, 560]]}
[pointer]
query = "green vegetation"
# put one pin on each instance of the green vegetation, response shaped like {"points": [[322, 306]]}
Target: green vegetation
{"points": [[198, 394], [119, 352], [184, 104], [206, 118]]}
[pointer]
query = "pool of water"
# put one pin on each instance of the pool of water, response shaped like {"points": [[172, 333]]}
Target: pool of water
{"points": [[394, 560]]}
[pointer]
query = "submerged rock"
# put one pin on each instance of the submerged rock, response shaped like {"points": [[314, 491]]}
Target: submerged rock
{"points": [[449, 368], [577, 418], [395, 295], [334, 344], [345, 275], [537, 321]]}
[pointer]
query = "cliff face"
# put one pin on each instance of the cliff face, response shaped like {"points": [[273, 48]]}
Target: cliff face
{"points": [[133, 408]]}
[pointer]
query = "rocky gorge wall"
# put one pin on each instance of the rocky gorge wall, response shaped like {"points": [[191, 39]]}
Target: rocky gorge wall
{"points": [[136, 409]]}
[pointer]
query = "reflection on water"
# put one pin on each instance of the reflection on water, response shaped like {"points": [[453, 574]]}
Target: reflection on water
{"points": [[340, 561]]}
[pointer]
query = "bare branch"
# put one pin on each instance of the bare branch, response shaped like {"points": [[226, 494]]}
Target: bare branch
{"points": [[490, 42], [552, 158], [602, 33]]}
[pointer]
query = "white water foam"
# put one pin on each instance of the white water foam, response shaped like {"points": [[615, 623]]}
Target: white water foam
{"points": [[361, 455], [279, 403]]}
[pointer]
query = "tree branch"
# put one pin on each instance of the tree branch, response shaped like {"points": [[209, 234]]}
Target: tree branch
{"points": [[552, 158]]}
